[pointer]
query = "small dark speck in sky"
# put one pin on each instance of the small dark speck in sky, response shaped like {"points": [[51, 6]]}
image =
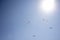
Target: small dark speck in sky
{"points": [[28, 22], [45, 20], [50, 28], [34, 35]]}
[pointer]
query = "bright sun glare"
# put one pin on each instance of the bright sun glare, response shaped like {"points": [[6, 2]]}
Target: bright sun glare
{"points": [[47, 6]]}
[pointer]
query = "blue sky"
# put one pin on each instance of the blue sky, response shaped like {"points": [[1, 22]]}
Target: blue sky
{"points": [[20, 20]]}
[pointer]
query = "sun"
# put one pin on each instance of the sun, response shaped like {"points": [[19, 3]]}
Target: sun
{"points": [[47, 6]]}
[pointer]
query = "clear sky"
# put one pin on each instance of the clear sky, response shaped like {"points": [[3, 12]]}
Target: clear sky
{"points": [[21, 20]]}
